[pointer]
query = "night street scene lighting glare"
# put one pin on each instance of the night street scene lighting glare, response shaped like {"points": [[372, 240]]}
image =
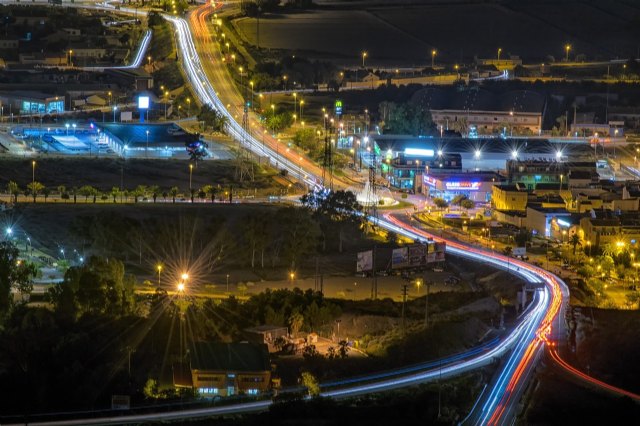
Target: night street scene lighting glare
{"points": [[328, 262]]}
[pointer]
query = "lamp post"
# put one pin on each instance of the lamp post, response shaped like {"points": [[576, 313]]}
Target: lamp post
{"points": [[115, 108], [146, 151], [33, 179], [364, 56], [295, 105], [433, 57], [251, 84], [567, 48], [70, 59], [190, 176], [166, 95], [188, 107], [499, 52], [302, 106], [159, 269]]}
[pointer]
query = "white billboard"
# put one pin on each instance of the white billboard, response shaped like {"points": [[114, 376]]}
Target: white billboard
{"points": [[519, 251], [126, 116], [365, 261], [143, 102]]}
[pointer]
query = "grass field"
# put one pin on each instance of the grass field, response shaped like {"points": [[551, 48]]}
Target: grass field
{"points": [[405, 35]]}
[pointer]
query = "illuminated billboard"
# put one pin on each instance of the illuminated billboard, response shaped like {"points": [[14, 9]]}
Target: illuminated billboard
{"points": [[462, 186], [143, 102], [365, 261], [419, 152], [428, 180]]}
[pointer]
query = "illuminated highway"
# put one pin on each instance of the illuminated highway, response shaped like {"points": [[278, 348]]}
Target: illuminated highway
{"points": [[522, 346]]}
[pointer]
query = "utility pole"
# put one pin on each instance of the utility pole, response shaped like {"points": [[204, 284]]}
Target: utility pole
{"points": [[426, 304], [374, 279], [404, 302]]}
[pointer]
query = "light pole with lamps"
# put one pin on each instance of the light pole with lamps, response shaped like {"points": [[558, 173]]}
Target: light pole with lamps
{"points": [[567, 48], [188, 107], [159, 269], [190, 176], [115, 108], [499, 52], [295, 104], [364, 56], [433, 57], [146, 151], [302, 106], [33, 179]]}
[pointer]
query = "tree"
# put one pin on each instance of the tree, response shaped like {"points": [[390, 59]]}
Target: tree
{"points": [[115, 193], [343, 348], [154, 190], [299, 233], [140, 191], [310, 382], [212, 118], [174, 193], [341, 208], [574, 240], [507, 250], [86, 191], [256, 234], [467, 204], [34, 188], [14, 190], [440, 203], [13, 273], [62, 190], [405, 119], [46, 191], [296, 320], [458, 199]]}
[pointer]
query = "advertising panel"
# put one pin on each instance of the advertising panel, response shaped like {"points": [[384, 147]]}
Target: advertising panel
{"points": [[400, 258], [365, 261], [417, 255], [462, 186], [126, 116], [143, 102], [519, 251], [429, 181]]}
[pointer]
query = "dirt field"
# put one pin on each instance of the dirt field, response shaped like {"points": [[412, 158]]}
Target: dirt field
{"points": [[106, 173], [406, 35]]}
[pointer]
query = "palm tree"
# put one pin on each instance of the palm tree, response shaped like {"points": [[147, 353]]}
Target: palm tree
{"points": [[174, 193], [115, 192], [35, 187], [14, 190], [62, 190], [140, 191], [154, 190], [574, 240], [208, 190]]}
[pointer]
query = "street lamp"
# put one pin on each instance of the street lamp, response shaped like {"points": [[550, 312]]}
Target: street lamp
{"points": [[433, 57], [292, 276], [364, 56], [70, 59], [146, 151], [188, 107], [180, 287], [251, 84], [184, 276], [159, 269], [190, 176], [33, 179], [499, 52], [567, 48], [295, 105], [149, 60], [115, 108], [301, 106]]}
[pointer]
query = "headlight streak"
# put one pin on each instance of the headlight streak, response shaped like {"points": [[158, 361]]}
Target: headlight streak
{"points": [[207, 95]]}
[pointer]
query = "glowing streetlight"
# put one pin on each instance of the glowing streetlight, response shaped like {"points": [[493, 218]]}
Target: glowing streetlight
{"points": [[514, 154], [180, 287], [433, 57], [159, 269], [499, 52], [190, 176], [567, 48], [184, 276], [146, 151], [292, 275], [364, 56]]}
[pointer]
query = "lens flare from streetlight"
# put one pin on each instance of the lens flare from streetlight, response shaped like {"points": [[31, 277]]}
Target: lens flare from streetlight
{"points": [[180, 287], [185, 276]]}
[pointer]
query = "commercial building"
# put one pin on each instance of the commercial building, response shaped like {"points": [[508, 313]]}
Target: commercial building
{"points": [[141, 139], [27, 102], [266, 334], [549, 222], [225, 369], [477, 186], [510, 198], [475, 110], [534, 173]]}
